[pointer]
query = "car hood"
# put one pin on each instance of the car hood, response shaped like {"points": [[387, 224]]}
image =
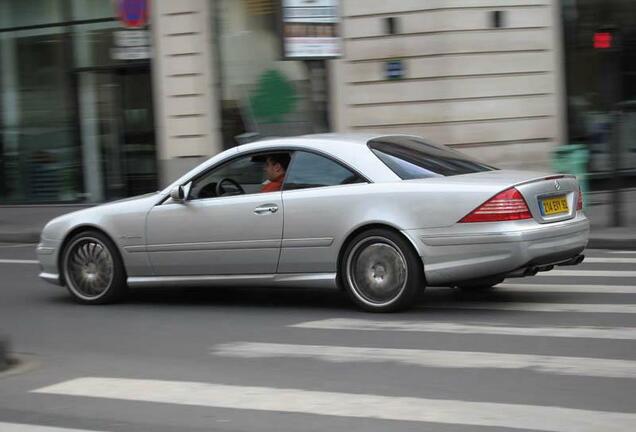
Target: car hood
{"points": [[99, 216]]}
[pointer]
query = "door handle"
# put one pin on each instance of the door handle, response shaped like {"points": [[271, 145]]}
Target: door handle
{"points": [[265, 209]]}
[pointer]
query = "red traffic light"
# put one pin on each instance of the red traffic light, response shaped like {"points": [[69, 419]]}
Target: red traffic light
{"points": [[603, 40]]}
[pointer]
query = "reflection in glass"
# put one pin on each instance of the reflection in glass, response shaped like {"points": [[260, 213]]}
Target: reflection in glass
{"points": [[39, 154]]}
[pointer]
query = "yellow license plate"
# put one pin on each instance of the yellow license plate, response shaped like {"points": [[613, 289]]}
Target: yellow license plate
{"points": [[555, 205]]}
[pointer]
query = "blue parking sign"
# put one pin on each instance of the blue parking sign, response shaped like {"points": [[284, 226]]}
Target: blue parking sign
{"points": [[394, 69]]}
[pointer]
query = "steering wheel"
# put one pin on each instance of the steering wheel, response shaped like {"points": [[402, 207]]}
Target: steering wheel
{"points": [[220, 190]]}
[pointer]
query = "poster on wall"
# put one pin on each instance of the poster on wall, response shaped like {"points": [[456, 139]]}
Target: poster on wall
{"points": [[311, 29]]}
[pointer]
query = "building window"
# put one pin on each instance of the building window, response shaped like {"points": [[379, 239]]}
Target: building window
{"points": [[76, 124], [601, 80], [38, 151], [261, 94]]}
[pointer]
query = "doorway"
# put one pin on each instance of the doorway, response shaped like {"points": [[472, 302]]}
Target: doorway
{"points": [[117, 132]]}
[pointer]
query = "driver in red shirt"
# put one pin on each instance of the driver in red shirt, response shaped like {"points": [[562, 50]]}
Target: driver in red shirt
{"points": [[274, 170]]}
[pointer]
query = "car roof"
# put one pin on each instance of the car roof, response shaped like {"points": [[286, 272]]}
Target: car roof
{"points": [[317, 141], [348, 148]]}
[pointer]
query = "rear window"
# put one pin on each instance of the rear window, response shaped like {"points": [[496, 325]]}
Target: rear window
{"points": [[412, 158]]}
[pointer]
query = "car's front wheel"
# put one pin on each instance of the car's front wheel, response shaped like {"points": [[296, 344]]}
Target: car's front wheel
{"points": [[381, 272], [93, 270]]}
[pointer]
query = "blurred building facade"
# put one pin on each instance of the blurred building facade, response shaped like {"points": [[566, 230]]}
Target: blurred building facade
{"points": [[484, 75], [93, 110]]}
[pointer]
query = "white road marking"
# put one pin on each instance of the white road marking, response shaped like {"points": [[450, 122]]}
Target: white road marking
{"points": [[626, 252], [556, 288], [544, 418], [21, 427], [590, 273], [538, 307], [18, 261], [597, 260], [624, 333], [558, 365]]}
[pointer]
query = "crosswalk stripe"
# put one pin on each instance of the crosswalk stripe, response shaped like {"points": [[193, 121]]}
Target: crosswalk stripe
{"points": [[558, 365], [611, 260], [22, 427], [18, 261], [624, 333], [538, 307], [557, 288], [590, 273], [544, 418]]}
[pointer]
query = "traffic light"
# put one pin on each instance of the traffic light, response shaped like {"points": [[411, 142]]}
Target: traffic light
{"points": [[606, 38], [603, 40]]}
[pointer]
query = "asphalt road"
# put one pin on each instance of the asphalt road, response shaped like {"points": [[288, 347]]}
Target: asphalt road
{"points": [[549, 353]]}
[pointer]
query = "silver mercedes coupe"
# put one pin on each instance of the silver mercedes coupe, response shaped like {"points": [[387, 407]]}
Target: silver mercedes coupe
{"points": [[379, 217]]}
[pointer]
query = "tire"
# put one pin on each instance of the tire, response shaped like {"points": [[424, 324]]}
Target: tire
{"points": [[481, 285], [381, 272], [93, 270]]}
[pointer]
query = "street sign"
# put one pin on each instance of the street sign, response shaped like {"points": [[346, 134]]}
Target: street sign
{"points": [[131, 45], [393, 69], [310, 29], [133, 13]]}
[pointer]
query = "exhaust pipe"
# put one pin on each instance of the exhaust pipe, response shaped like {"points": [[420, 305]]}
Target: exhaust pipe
{"points": [[534, 269], [544, 268]]}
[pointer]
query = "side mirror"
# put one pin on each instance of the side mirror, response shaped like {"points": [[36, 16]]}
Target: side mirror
{"points": [[177, 194]]}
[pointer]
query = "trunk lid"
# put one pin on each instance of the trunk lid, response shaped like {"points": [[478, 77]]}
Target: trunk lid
{"points": [[537, 188]]}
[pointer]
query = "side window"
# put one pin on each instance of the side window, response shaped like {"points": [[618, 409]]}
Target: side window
{"points": [[244, 175], [309, 170]]}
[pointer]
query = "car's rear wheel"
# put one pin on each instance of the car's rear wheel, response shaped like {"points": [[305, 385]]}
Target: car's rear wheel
{"points": [[381, 272], [93, 270]]}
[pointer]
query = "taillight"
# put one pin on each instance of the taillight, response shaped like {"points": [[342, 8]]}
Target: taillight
{"points": [[505, 206], [579, 201]]}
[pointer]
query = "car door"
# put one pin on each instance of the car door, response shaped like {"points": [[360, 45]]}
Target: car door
{"points": [[317, 194], [218, 231]]}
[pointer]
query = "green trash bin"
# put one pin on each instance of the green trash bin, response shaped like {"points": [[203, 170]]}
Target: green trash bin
{"points": [[572, 159]]}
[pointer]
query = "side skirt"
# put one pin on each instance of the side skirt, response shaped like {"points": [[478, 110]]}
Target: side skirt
{"points": [[307, 280]]}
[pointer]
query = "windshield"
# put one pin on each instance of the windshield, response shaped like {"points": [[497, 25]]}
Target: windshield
{"points": [[413, 158]]}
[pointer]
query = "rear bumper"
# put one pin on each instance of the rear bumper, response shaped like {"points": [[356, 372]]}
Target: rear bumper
{"points": [[474, 251]]}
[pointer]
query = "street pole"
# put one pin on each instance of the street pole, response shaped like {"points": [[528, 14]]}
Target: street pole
{"points": [[616, 183], [317, 73], [607, 42]]}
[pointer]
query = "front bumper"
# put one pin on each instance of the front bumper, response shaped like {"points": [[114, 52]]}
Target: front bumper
{"points": [[481, 250], [47, 252]]}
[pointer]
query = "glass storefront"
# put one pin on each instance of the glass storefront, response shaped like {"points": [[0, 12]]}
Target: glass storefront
{"points": [[76, 125], [261, 93], [600, 59]]}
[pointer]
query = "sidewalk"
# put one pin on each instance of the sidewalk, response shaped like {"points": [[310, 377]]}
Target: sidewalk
{"points": [[22, 224], [602, 235]]}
